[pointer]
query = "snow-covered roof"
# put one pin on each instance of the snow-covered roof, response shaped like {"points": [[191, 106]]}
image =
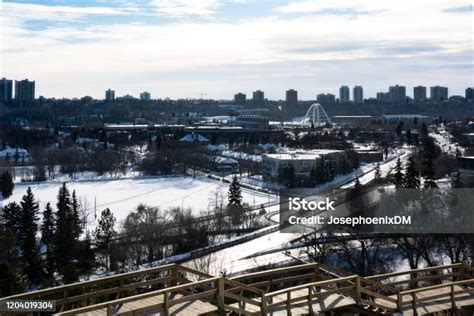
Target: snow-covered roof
{"points": [[302, 155], [12, 152], [194, 138], [225, 161]]}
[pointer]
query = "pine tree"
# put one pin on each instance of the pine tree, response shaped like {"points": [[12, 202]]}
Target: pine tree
{"points": [[104, 233], [87, 255], [28, 228], [235, 192], [65, 243], [378, 173], [411, 179], [430, 182], [398, 177], [6, 184], [456, 182], [76, 216], [47, 237], [11, 218]]}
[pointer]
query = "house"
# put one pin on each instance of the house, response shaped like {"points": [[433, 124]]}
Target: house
{"points": [[225, 164], [194, 138]]}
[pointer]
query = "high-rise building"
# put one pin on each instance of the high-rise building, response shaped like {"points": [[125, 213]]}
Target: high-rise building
{"points": [[240, 98], [291, 97], [109, 95], [397, 93], [470, 94], [326, 99], [383, 96], [145, 96], [24, 91], [438, 93], [344, 94], [419, 93], [258, 97], [6, 91], [358, 94]]}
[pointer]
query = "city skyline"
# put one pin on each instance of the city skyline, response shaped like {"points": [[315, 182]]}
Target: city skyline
{"points": [[182, 48]]}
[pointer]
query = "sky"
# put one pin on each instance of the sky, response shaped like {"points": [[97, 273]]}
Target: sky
{"points": [[216, 48]]}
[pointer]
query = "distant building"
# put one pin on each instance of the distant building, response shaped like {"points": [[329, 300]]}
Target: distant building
{"points": [[397, 93], [240, 98], [109, 95], [344, 94], [419, 93], [326, 99], [301, 161], [358, 94], [291, 97], [438, 93], [258, 97], [470, 94], [145, 96], [24, 91], [6, 91], [256, 118], [383, 96]]}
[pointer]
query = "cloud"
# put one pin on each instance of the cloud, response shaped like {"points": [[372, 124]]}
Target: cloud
{"points": [[71, 57], [177, 8]]}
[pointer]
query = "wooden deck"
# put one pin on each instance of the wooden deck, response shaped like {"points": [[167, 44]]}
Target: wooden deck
{"points": [[296, 290]]}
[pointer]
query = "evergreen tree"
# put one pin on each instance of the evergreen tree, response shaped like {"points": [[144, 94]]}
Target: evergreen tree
{"points": [[76, 216], [12, 217], [235, 192], [6, 184], [411, 179], [104, 233], [430, 182], [28, 244], [65, 242], [456, 182], [378, 173], [398, 177], [87, 255], [47, 237]]}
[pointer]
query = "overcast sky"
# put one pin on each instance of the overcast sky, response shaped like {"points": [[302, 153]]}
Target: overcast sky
{"points": [[182, 48]]}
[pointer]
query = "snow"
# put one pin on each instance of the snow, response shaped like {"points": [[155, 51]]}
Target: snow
{"points": [[123, 195]]}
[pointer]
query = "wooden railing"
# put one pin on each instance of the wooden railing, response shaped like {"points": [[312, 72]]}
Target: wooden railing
{"points": [[256, 293], [85, 293], [208, 290], [410, 297]]}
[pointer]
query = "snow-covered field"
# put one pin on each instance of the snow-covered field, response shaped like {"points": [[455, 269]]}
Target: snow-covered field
{"points": [[124, 195]]}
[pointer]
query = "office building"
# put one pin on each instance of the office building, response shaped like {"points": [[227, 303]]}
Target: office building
{"points": [[358, 94], [326, 99], [397, 93], [470, 94], [291, 97], [145, 96], [240, 98], [419, 93], [24, 91], [109, 95], [438, 93], [6, 91], [344, 94], [258, 97]]}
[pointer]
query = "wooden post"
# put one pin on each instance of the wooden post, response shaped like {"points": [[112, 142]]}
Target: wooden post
{"points": [[317, 273], [166, 303], [357, 290], [109, 310], [174, 275], [310, 301], [399, 302], [221, 296], [288, 303], [453, 301], [413, 303], [264, 307]]}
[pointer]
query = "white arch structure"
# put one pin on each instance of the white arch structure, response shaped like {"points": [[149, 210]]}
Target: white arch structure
{"points": [[316, 115]]}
